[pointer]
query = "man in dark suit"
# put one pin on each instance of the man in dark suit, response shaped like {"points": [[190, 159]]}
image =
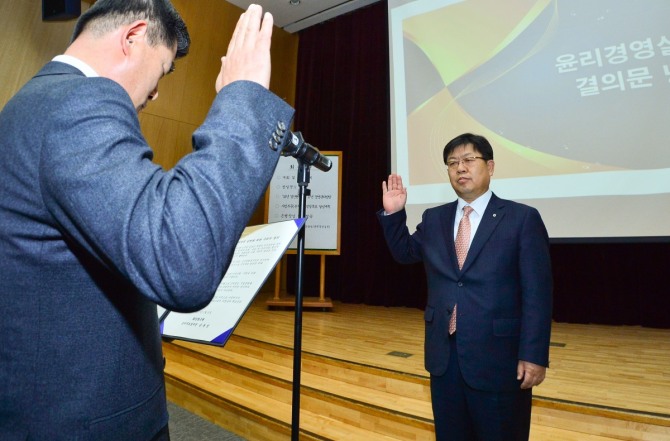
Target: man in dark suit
{"points": [[488, 315], [93, 234]]}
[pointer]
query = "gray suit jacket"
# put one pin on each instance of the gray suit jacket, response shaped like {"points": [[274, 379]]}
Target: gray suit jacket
{"points": [[503, 291], [93, 234]]}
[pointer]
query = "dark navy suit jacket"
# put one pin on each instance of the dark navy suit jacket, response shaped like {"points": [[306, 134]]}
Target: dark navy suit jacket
{"points": [[93, 234], [504, 291]]}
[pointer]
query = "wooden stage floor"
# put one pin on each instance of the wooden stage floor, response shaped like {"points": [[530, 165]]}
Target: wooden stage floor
{"points": [[608, 367]]}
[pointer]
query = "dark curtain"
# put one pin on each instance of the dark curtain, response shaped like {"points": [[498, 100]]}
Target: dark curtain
{"points": [[612, 283], [342, 103]]}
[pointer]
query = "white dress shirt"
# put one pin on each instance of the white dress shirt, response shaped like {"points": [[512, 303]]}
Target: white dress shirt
{"points": [[478, 208]]}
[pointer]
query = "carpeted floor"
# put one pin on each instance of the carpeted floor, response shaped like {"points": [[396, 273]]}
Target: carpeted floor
{"points": [[187, 426]]}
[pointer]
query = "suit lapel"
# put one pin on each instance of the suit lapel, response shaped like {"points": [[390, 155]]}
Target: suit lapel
{"points": [[492, 216]]}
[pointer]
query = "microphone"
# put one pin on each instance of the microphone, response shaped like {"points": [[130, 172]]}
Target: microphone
{"points": [[299, 149]]}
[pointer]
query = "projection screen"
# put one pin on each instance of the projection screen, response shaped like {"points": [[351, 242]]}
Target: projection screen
{"points": [[574, 96]]}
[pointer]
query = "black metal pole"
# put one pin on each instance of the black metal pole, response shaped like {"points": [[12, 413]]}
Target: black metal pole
{"points": [[303, 192]]}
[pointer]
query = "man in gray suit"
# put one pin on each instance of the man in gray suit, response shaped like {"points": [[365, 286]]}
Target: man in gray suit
{"points": [[93, 234]]}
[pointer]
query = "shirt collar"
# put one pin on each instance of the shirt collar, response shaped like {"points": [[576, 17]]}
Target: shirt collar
{"points": [[478, 205], [77, 63]]}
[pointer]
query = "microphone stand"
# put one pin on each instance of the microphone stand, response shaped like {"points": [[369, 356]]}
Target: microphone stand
{"points": [[303, 192]]}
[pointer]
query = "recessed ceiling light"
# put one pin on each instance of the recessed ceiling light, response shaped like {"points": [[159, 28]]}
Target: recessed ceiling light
{"points": [[294, 2]]}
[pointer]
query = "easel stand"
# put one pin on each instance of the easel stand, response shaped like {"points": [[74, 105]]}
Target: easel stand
{"points": [[325, 217], [322, 301]]}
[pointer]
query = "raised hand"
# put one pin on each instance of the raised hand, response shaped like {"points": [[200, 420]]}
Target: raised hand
{"points": [[394, 195], [248, 55]]}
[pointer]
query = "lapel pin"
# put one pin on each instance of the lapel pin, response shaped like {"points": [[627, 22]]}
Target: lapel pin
{"points": [[494, 215]]}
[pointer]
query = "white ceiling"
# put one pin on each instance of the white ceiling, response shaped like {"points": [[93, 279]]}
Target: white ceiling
{"points": [[295, 15]]}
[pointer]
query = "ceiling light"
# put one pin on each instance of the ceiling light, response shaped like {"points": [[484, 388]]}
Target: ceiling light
{"points": [[294, 2]]}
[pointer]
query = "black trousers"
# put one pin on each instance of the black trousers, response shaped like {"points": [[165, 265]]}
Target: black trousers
{"points": [[162, 435], [462, 413]]}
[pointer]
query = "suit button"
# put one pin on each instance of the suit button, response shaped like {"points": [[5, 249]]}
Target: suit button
{"points": [[460, 284]]}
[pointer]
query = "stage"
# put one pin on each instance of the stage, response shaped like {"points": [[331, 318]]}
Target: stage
{"points": [[614, 375], [620, 367]]}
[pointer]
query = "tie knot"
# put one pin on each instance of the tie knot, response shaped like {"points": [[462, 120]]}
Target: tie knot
{"points": [[467, 210]]}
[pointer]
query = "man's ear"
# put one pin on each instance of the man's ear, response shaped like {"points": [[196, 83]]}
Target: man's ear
{"points": [[133, 33]]}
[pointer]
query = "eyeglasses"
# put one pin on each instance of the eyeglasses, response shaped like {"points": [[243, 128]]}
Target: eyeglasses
{"points": [[453, 164]]}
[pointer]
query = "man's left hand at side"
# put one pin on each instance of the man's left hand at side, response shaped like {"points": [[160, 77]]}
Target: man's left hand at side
{"points": [[531, 374]]}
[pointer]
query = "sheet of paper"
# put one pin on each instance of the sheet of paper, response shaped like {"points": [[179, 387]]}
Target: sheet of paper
{"points": [[256, 255]]}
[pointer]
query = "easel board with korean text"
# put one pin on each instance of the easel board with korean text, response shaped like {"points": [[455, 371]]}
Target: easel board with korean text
{"points": [[322, 214]]}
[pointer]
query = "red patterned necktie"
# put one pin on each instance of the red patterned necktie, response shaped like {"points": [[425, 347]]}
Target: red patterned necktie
{"points": [[462, 245]]}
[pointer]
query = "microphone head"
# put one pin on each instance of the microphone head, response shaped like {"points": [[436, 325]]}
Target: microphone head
{"points": [[299, 149], [325, 163]]}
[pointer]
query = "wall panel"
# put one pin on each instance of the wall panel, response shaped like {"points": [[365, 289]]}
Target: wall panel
{"points": [[27, 43], [184, 96]]}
